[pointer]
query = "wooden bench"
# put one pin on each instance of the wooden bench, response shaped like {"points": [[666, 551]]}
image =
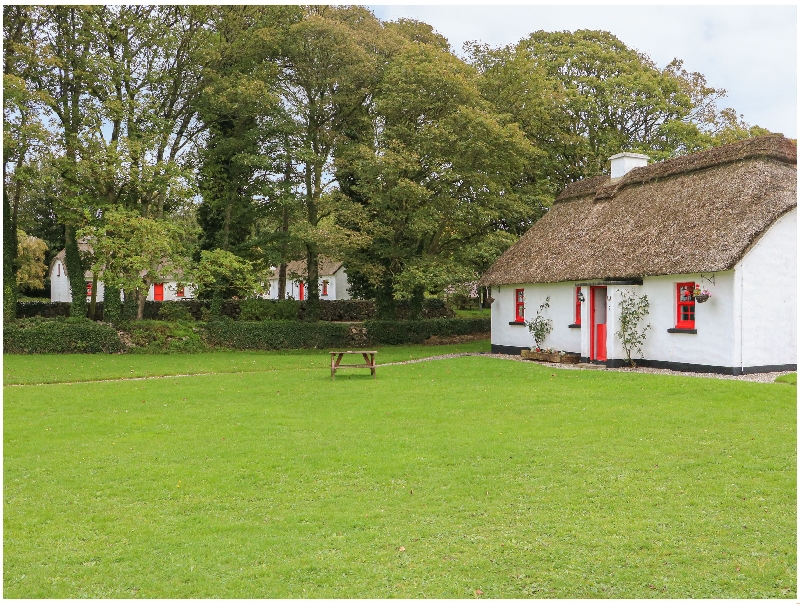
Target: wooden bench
{"points": [[369, 360]]}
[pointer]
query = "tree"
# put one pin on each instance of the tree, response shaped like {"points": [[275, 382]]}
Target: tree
{"points": [[434, 179], [32, 268], [328, 68], [131, 252], [221, 270]]}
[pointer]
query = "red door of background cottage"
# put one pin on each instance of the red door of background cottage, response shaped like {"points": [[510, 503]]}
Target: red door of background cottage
{"points": [[302, 291], [158, 292], [597, 334]]}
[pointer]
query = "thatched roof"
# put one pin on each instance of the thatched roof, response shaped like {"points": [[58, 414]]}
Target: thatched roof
{"points": [[692, 214], [298, 269]]}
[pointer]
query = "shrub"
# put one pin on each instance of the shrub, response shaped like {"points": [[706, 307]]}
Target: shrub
{"points": [[174, 311], [60, 336], [264, 310], [416, 332], [161, 337], [275, 335]]}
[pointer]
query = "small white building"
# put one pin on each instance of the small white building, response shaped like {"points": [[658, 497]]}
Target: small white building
{"points": [[333, 283], [724, 220], [60, 290]]}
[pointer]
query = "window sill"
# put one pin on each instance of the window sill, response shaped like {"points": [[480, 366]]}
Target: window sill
{"points": [[516, 322], [681, 330], [574, 326]]}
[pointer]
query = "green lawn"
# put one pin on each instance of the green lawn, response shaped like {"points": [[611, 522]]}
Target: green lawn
{"points": [[261, 477]]}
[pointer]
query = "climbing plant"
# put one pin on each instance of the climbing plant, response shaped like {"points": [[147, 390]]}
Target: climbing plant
{"points": [[540, 326], [633, 309]]}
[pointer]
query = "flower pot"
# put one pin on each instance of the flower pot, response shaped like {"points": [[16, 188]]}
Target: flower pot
{"points": [[701, 298]]}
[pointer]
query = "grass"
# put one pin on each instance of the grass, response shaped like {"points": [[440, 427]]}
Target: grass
{"points": [[438, 480], [789, 378], [474, 313]]}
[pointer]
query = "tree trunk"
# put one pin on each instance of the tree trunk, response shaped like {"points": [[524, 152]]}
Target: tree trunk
{"points": [[93, 300], [417, 298], [74, 266], [141, 298], [282, 281], [9, 259]]}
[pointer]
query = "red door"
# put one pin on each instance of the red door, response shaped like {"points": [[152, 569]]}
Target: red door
{"points": [[158, 292], [302, 291], [597, 334]]}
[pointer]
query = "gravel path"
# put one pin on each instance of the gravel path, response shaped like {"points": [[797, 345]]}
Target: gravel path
{"points": [[751, 377]]}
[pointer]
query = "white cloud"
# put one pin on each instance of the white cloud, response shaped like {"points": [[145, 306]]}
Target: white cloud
{"points": [[749, 51]]}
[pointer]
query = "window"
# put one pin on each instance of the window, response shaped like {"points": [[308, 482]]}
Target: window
{"points": [[58, 266], [302, 291], [324, 288], [685, 306], [519, 306], [88, 289], [179, 293], [577, 306]]}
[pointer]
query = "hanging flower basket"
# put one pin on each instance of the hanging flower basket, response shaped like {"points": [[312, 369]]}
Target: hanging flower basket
{"points": [[700, 295], [702, 298]]}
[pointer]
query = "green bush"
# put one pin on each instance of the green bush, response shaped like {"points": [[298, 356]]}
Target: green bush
{"points": [[174, 310], [60, 336], [416, 332], [268, 310], [161, 337], [275, 335]]}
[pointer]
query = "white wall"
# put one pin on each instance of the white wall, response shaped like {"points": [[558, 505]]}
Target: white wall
{"points": [[712, 344], [59, 284], [766, 285], [337, 287], [561, 311]]}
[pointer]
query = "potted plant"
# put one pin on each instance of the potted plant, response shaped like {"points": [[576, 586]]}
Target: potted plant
{"points": [[700, 295]]}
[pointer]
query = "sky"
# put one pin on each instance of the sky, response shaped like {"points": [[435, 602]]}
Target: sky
{"points": [[749, 51]]}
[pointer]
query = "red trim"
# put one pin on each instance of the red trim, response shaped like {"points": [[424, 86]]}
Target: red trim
{"points": [[597, 334], [519, 305], [158, 292], [302, 291], [577, 306], [324, 287], [685, 305], [88, 289], [179, 293]]}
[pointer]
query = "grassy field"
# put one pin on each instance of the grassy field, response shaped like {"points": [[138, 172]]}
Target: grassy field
{"points": [[258, 476]]}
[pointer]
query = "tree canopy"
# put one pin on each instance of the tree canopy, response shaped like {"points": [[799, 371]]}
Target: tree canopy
{"points": [[275, 133]]}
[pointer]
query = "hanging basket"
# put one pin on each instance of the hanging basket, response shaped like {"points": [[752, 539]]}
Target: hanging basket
{"points": [[700, 298]]}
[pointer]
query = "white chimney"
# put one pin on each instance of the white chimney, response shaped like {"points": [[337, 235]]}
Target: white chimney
{"points": [[622, 163]]}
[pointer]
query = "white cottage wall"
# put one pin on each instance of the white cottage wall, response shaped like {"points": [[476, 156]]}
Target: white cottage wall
{"points": [[767, 288], [59, 284], [712, 344], [561, 312]]}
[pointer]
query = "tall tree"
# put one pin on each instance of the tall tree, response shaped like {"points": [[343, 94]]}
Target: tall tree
{"points": [[435, 180], [328, 64]]}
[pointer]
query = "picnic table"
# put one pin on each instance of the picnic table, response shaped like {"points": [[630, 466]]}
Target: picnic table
{"points": [[369, 360]]}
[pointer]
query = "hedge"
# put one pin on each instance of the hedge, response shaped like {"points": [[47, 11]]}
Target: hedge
{"points": [[59, 336], [275, 335], [416, 332], [348, 311]]}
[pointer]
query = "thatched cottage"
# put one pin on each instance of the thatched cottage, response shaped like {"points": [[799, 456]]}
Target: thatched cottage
{"points": [[723, 220], [60, 289], [333, 283]]}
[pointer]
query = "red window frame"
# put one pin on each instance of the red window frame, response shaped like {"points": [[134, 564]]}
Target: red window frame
{"points": [[88, 289], [302, 290], [179, 292], [684, 296], [324, 287], [519, 305], [577, 306]]}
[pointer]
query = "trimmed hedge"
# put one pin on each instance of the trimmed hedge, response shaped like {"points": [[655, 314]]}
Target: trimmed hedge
{"points": [[416, 332], [275, 335], [59, 336], [348, 311], [162, 337]]}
